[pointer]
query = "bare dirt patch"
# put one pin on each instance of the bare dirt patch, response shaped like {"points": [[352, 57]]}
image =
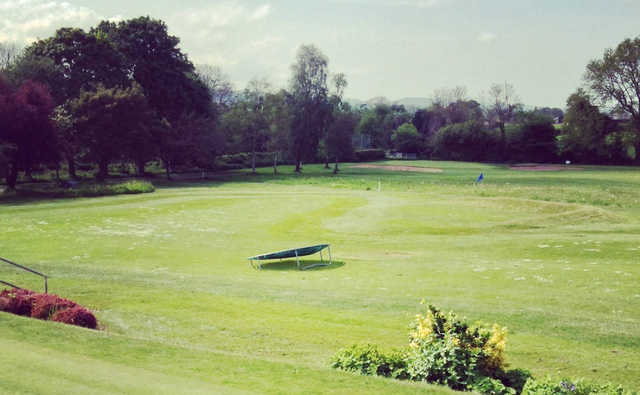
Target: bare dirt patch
{"points": [[542, 167], [400, 168]]}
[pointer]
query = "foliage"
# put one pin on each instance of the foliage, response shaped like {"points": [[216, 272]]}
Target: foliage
{"points": [[107, 119], [468, 141], [533, 139], [82, 60], [380, 122], [154, 60], [614, 79], [591, 136], [17, 301], [76, 315], [309, 102], [550, 386], [368, 360], [25, 128], [46, 307], [447, 350], [368, 155], [407, 139], [69, 190]]}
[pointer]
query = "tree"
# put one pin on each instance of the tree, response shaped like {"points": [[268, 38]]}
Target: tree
{"points": [[254, 94], [191, 140], [309, 102], [217, 83], [8, 54], [106, 119], [407, 139], [152, 58], [615, 79], [26, 132], [585, 130], [84, 60], [502, 108], [534, 139], [67, 136], [278, 117]]}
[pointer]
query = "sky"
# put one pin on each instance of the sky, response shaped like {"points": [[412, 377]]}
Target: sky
{"points": [[391, 48]]}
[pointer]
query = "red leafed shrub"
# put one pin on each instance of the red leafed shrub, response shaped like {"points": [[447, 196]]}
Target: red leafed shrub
{"points": [[46, 305], [17, 301], [77, 315]]}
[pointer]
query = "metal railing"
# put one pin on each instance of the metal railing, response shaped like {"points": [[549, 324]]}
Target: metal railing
{"points": [[46, 286]]}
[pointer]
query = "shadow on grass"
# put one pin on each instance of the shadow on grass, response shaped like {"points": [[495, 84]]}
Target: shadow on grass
{"points": [[306, 265]]}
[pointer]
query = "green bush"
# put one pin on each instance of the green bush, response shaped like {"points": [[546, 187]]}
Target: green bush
{"points": [[367, 155], [447, 350], [549, 386], [468, 141], [87, 189], [515, 378], [533, 139], [368, 360]]}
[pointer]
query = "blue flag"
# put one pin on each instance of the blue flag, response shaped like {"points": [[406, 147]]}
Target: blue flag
{"points": [[480, 178]]}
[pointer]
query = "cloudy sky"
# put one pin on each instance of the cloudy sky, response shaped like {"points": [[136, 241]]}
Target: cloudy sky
{"points": [[392, 48]]}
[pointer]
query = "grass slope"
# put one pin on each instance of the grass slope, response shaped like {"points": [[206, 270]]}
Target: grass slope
{"points": [[553, 256]]}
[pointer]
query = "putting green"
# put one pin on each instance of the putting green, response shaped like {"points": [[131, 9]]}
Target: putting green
{"points": [[552, 256]]}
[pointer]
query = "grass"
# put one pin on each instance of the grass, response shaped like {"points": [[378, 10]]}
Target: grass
{"points": [[552, 256]]}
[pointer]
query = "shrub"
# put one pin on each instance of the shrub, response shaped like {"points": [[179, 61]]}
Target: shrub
{"points": [[533, 139], [448, 350], [549, 386], [46, 305], [515, 378], [77, 315], [407, 139], [368, 360], [17, 301], [468, 141], [367, 155]]}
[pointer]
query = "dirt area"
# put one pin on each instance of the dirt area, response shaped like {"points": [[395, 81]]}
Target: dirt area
{"points": [[400, 168], [543, 167]]}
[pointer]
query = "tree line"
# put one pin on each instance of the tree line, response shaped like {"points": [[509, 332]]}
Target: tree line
{"points": [[125, 93]]}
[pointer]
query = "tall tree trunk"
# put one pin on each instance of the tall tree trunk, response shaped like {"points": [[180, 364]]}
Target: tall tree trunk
{"points": [[335, 168], [103, 171], [27, 173], [167, 168], [503, 141], [140, 167], [72, 167], [298, 162], [12, 177], [326, 162], [275, 163]]}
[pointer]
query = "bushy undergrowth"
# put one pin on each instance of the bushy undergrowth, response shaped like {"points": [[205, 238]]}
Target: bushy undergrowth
{"points": [[444, 349], [367, 155], [46, 307], [88, 190], [548, 386]]}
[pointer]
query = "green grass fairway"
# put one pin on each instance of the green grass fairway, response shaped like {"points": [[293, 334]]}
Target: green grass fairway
{"points": [[554, 256]]}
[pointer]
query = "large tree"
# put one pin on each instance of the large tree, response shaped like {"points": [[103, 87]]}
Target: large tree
{"points": [[502, 108], [82, 59], [615, 79], [154, 60], [279, 117], [309, 101], [106, 119], [26, 132], [585, 130]]}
